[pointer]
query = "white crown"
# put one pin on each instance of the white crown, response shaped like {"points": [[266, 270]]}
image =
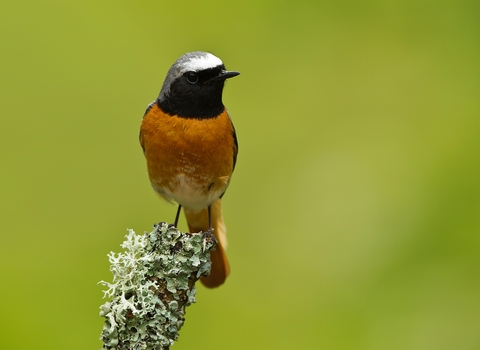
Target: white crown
{"points": [[198, 63]]}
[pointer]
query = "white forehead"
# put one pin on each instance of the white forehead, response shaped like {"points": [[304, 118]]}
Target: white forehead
{"points": [[198, 63]]}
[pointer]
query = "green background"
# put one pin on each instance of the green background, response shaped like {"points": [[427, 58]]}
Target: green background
{"points": [[354, 211]]}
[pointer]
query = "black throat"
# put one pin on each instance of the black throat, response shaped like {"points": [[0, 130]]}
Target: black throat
{"points": [[200, 100], [201, 110]]}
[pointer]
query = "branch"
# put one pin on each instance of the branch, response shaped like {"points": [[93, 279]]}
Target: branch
{"points": [[153, 282]]}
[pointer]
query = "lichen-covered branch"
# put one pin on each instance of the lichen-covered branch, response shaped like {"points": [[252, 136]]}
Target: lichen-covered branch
{"points": [[153, 282]]}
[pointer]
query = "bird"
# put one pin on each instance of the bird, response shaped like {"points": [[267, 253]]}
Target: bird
{"points": [[190, 146]]}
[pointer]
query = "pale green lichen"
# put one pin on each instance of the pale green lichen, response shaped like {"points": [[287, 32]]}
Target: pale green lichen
{"points": [[153, 282]]}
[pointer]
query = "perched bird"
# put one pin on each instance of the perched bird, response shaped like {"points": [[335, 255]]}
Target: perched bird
{"points": [[191, 148]]}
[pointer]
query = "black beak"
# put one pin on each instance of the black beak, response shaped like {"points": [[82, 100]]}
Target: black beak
{"points": [[225, 75]]}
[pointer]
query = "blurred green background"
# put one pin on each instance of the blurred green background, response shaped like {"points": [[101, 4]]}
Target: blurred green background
{"points": [[354, 211]]}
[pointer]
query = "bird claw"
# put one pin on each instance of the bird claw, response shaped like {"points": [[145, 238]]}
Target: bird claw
{"points": [[209, 237]]}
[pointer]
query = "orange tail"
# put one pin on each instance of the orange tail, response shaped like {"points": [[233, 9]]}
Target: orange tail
{"points": [[198, 221]]}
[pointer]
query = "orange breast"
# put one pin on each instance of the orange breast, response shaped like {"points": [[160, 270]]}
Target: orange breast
{"points": [[188, 160]]}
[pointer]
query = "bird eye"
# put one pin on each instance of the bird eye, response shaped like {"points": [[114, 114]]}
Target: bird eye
{"points": [[192, 77]]}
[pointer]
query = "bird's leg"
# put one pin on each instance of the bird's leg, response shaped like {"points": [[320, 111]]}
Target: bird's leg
{"points": [[178, 215]]}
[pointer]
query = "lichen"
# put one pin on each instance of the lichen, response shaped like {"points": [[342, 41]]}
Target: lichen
{"points": [[153, 282]]}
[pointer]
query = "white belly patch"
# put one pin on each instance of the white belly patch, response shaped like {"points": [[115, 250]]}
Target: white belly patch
{"points": [[191, 195]]}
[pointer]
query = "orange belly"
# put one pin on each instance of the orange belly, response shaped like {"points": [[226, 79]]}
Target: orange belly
{"points": [[189, 160]]}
